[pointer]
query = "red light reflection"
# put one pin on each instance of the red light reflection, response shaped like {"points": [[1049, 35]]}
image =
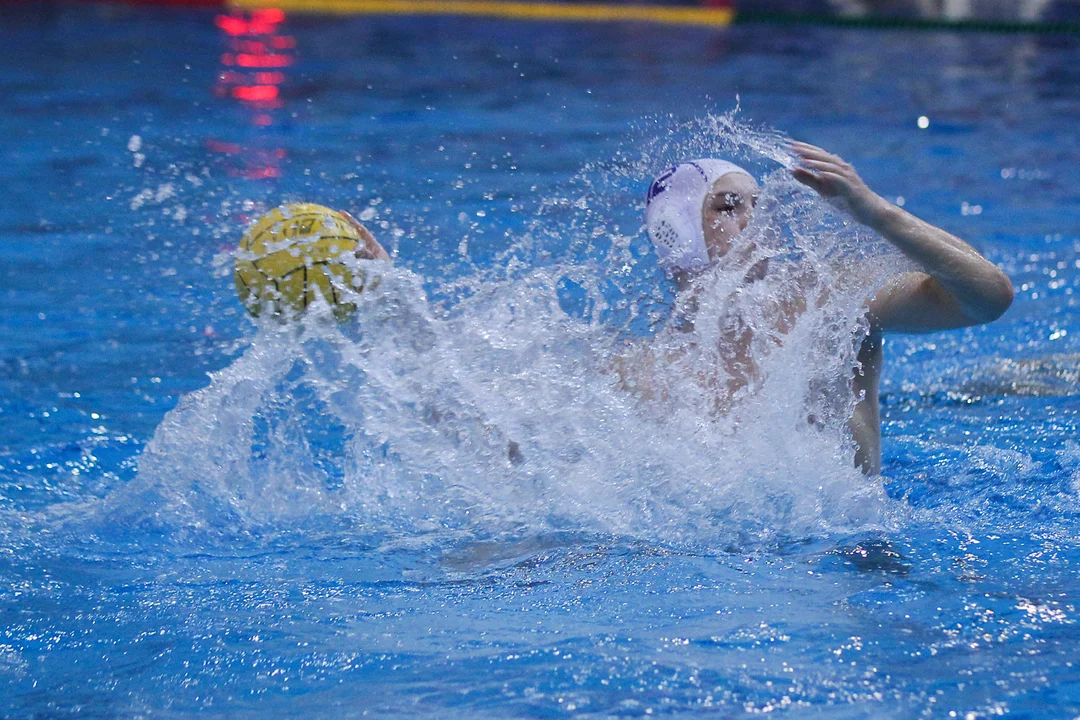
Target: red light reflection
{"points": [[255, 93], [269, 15], [257, 52], [248, 60]]}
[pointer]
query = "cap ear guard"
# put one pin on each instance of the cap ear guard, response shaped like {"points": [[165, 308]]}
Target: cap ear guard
{"points": [[677, 245], [664, 235]]}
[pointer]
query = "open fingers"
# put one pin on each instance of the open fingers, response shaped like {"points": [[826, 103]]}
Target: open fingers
{"points": [[809, 179], [813, 152], [822, 166], [824, 182], [807, 148]]}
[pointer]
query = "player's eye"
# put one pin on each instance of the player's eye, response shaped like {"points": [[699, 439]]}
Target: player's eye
{"points": [[729, 202]]}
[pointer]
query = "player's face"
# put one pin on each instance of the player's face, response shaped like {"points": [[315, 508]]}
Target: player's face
{"points": [[726, 211]]}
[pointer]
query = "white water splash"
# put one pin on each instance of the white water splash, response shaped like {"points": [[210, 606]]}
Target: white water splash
{"points": [[529, 408]]}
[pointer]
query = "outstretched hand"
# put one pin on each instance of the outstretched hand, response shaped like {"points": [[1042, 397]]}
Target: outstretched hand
{"points": [[836, 180], [369, 249], [957, 286]]}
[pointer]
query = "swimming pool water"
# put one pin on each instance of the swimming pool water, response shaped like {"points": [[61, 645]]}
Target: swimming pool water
{"points": [[129, 173]]}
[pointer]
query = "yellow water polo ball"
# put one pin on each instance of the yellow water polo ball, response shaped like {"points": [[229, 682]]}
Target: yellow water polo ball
{"points": [[294, 254]]}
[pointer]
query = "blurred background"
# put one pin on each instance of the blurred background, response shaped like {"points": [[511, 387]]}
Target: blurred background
{"points": [[953, 11]]}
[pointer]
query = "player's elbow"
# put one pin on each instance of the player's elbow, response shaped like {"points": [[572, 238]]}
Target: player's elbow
{"points": [[996, 299]]}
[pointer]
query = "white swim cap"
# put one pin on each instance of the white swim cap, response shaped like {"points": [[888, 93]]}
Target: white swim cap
{"points": [[673, 211]]}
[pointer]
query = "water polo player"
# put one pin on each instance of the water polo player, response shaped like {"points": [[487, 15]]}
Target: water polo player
{"points": [[697, 208]]}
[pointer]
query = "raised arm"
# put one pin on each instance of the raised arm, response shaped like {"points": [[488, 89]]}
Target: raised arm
{"points": [[957, 286]]}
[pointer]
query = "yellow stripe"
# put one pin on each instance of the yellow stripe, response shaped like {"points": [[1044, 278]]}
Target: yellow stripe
{"points": [[595, 12]]}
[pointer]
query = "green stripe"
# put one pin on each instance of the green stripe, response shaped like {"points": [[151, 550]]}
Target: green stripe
{"points": [[909, 23]]}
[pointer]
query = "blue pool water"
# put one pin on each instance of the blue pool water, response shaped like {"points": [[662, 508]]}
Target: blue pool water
{"points": [[295, 533]]}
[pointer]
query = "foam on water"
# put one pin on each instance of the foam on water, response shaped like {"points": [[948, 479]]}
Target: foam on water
{"points": [[536, 402]]}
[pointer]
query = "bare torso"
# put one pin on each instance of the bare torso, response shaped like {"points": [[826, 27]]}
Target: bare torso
{"points": [[953, 287]]}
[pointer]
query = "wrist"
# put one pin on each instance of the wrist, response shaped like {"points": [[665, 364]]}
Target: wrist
{"points": [[877, 213]]}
